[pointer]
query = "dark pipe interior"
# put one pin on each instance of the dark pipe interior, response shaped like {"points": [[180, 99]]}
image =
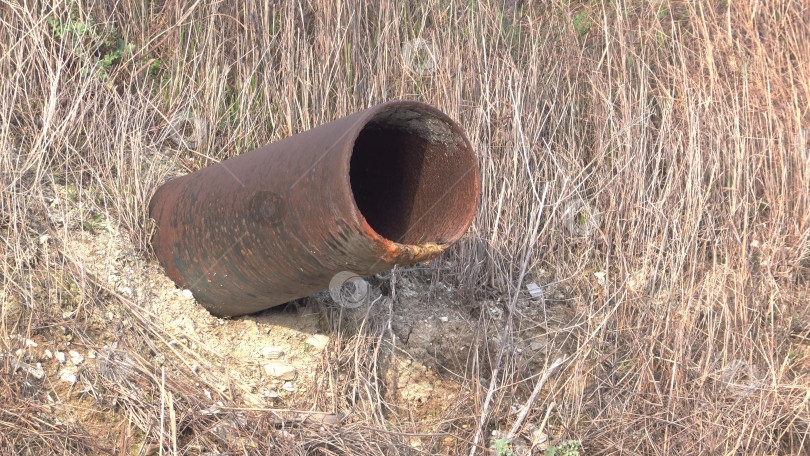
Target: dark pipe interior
{"points": [[413, 185]]}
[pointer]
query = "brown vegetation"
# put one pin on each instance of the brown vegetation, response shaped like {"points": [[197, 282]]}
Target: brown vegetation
{"points": [[651, 160]]}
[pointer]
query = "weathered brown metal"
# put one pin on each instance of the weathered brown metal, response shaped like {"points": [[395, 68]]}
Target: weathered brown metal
{"points": [[392, 185]]}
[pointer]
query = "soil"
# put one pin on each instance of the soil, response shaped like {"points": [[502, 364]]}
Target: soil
{"points": [[272, 358]]}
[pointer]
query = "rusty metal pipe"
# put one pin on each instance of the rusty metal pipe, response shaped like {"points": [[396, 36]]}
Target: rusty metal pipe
{"points": [[395, 184]]}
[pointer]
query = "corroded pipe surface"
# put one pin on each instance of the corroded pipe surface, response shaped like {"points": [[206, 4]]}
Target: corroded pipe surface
{"points": [[394, 184]]}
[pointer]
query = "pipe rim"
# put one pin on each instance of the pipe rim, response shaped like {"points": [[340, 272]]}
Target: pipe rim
{"points": [[465, 216]]}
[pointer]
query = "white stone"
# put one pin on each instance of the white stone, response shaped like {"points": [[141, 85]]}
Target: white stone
{"points": [[68, 375], [270, 394], [281, 370], [75, 357], [318, 341], [61, 356], [188, 294], [534, 290], [272, 353], [35, 371], [539, 440], [288, 387]]}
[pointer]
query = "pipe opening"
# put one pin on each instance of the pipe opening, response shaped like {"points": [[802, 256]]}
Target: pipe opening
{"points": [[413, 177]]}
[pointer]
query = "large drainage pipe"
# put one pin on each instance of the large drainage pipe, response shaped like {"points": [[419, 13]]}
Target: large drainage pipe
{"points": [[395, 184]]}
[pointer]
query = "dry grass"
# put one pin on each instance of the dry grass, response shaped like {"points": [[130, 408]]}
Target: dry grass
{"points": [[686, 126]]}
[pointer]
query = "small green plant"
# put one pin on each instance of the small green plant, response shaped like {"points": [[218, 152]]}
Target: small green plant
{"points": [[114, 55], [154, 66], [581, 23], [566, 448], [93, 223], [503, 447], [97, 47]]}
